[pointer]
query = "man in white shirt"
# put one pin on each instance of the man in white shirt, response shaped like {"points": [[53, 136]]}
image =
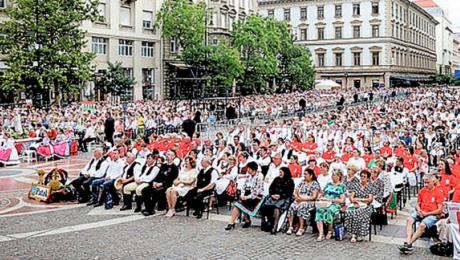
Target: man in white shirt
{"points": [[148, 173], [90, 135], [131, 172], [94, 169], [114, 171], [273, 170]]}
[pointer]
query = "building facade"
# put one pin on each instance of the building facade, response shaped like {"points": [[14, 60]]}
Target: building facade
{"points": [[127, 35], [362, 43], [220, 16], [444, 36]]}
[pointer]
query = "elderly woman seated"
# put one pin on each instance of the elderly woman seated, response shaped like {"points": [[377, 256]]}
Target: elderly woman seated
{"points": [[358, 215], [305, 196], [251, 197], [329, 205], [280, 195]]}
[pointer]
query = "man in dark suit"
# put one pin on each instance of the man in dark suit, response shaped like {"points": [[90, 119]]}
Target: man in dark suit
{"points": [[109, 128]]}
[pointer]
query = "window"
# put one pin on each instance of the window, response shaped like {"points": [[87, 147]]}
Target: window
{"points": [[271, 13], [303, 34], [99, 45], [223, 20], [147, 18], [357, 58], [320, 12], [320, 59], [2, 48], [338, 59], [287, 14], [375, 8], [357, 83], [173, 45], [375, 31], [338, 32], [148, 49], [100, 9], [125, 16], [375, 58], [128, 72], [125, 48], [320, 33], [338, 11], [356, 31], [231, 22], [303, 13], [356, 10]]}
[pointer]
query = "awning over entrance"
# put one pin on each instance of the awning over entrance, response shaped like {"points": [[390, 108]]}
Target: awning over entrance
{"points": [[356, 74], [179, 65], [411, 77]]}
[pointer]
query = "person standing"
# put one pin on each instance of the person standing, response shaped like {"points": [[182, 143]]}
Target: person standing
{"points": [[109, 128]]}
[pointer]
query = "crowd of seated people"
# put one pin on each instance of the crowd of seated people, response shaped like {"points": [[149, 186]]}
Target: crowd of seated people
{"points": [[336, 166]]}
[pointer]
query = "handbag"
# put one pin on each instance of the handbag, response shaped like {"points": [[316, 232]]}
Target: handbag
{"points": [[108, 201], [321, 204], [231, 190]]}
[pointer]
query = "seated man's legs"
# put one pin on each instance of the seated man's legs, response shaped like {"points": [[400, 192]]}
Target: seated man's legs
{"points": [[148, 201], [128, 190], [425, 223], [95, 190], [139, 189], [77, 184], [107, 187]]}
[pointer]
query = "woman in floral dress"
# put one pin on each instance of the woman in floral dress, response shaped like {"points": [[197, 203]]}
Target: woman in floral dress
{"points": [[305, 196], [358, 216], [334, 193]]}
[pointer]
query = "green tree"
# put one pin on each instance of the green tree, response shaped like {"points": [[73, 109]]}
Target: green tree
{"points": [[259, 40], [297, 69], [115, 81], [220, 62], [44, 42], [184, 21]]}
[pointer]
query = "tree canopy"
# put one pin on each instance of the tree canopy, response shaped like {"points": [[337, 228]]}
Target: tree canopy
{"points": [[44, 42]]}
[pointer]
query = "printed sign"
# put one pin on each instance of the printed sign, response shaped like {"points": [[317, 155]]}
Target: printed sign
{"points": [[39, 192], [454, 212]]}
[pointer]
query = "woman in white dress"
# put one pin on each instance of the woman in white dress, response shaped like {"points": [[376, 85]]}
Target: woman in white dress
{"points": [[225, 178], [182, 185]]}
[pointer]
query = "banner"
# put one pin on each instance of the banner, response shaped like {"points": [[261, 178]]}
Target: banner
{"points": [[39, 192], [454, 216]]}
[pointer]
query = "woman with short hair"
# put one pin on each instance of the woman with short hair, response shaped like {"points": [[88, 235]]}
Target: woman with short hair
{"points": [[305, 196], [334, 194]]}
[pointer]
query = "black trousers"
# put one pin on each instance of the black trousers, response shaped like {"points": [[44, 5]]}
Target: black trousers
{"points": [[81, 185], [195, 199], [109, 137], [152, 196], [83, 143]]}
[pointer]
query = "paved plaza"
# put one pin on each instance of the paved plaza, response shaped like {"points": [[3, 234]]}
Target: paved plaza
{"points": [[72, 231]]}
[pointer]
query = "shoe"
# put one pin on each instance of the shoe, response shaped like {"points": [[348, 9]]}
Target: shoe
{"points": [[91, 203], [230, 226], [81, 201], [125, 207], [300, 232], [273, 232], [289, 232], [320, 238], [329, 235], [116, 203], [247, 224], [148, 213], [195, 213], [353, 239], [405, 245], [407, 248], [98, 205], [199, 215], [137, 210]]}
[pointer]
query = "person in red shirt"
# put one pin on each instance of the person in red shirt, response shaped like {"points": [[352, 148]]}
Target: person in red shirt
{"points": [[454, 167], [400, 151], [347, 155], [367, 155], [429, 206], [329, 154], [386, 150], [309, 147], [456, 196], [294, 167], [312, 165], [410, 160], [448, 180]]}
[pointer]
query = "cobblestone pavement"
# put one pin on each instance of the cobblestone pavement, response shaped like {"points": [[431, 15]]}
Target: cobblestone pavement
{"points": [[29, 229], [83, 236]]}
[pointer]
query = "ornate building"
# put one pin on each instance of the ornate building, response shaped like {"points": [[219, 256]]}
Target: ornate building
{"points": [[362, 43]]}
